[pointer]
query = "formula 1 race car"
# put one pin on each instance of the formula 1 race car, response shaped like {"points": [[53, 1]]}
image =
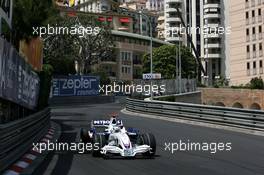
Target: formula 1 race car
{"points": [[109, 137]]}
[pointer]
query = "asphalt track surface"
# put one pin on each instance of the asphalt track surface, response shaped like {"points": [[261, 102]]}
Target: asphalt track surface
{"points": [[245, 158]]}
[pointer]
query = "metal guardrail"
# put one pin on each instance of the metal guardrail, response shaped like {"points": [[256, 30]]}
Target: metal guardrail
{"points": [[17, 137], [240, 118]]}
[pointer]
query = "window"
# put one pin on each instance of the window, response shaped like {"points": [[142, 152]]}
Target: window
{"points": [[248, 52], [248, 69], [259, 12], [260, 64], [254, 33], [248, 49], [247, 16], [253, 13], [254, 50]]}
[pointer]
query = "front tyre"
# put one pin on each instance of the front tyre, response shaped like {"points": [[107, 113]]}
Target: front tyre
{"points": [[85, 138], [149, 139], [98, 142]]}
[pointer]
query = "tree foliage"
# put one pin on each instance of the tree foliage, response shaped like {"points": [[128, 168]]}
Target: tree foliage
{"points": [[256, 83], [86, 50], [28, 14], [164, 61]]}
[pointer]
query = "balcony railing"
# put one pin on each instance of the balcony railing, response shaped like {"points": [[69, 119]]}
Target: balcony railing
{"points": [[248, 72], [137, 62], [254, 54], [248, 55], [261, 70], [247, 21], [254, 37], [260, 53], [253, 3], [248, 38], [253, 20], [260, 18], [260, 36]]}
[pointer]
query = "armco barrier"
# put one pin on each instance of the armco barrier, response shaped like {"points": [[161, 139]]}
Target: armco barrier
{"points": [[241, 118], [17, 137]]}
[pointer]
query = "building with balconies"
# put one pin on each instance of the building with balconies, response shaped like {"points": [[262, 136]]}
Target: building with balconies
{"points": [[172, 19], [213, 44]]}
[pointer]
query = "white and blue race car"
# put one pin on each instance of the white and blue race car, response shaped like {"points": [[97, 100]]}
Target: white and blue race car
{"points": [[111, 138]]}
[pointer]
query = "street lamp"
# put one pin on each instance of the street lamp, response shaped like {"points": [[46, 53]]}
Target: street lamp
{"points": [[151, 55]]}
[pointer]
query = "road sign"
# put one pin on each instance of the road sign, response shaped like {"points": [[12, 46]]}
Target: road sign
{"points": [[153, 76]]}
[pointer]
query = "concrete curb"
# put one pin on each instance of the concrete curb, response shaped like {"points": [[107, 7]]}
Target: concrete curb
{"points": [[196, 123], [41, 157], [32, 159]]}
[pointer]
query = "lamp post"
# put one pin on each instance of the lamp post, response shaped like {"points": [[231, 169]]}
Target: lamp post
{"points": [[150, 50]]}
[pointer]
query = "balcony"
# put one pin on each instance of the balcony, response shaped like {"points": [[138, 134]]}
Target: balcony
{"points": [[254, 54], [126, 62], [212, 5], [173, 19], [248, 55], [247, 5], [108, 61], [259, 19], [253, 20], [248, 72], [260, 53], [212, 55], [260, 70], [254, 37], [212, 45], [137, 62], [247, 38], [260, 36], [212, 36], [212, 15], [174, 39], [247, 21], [174, 1]]}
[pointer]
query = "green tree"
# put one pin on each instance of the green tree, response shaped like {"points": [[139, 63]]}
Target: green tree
{"points": [[85, 49], [256, 83], [28, 14], [164, 61]]}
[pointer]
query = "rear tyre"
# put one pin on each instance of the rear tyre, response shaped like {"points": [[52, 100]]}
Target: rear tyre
{"points": [[149, 139], [99, 142], [85, 136]]}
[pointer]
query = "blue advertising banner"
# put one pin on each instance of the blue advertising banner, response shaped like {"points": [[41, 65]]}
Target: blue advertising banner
{"points": [[75, 85], [18, 82]]}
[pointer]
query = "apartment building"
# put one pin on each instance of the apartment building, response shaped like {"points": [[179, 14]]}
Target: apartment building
{"points": [[246, 41], [155, 5]]}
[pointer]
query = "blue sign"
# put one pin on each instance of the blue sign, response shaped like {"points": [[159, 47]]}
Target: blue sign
{"points": [[75, 85], [18, 82]]}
